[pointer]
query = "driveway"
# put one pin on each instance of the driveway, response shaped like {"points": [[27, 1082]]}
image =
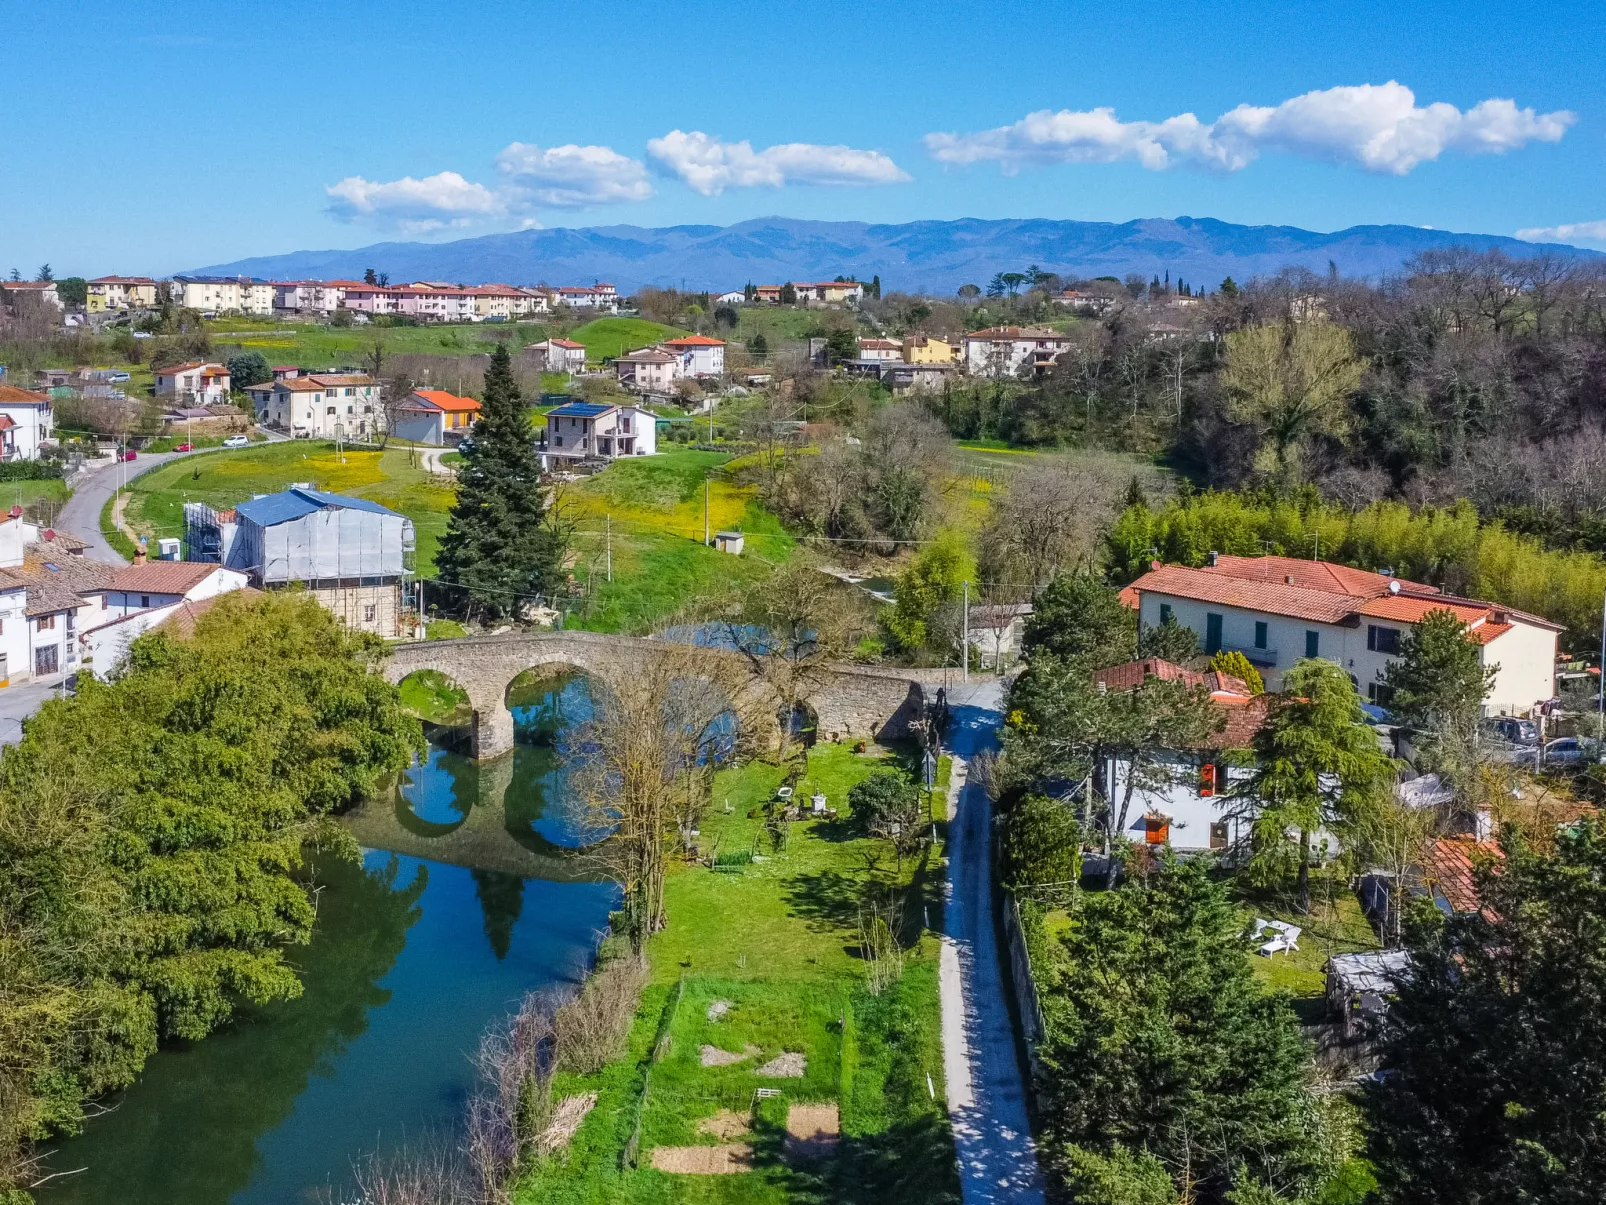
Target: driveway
{"points": [[19, 702], [986, 1085]]}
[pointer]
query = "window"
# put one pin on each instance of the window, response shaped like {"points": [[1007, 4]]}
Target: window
{"points": [[144, 600], [1156, 829], [368, 613], [1218, 834], [1261, 632], [1212, 633], [1380, 693], [1382, 640], [45, 660], [45, 623], [1165, 612], [329, 410], [1313, 644], [1207, 780]]}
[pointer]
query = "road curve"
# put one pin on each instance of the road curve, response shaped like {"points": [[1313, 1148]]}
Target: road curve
{"points": [[986, 1085], [80, 516]]}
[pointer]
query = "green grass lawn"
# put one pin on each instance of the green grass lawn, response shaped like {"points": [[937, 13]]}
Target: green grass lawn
{"points": [[608, 337], [41, 500], [778, 940], [653, 506], [1335, 925], [389, 478], [334, 346], [429, 695]]}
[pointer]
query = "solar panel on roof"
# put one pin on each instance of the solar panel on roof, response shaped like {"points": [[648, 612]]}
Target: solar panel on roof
{"points": [[580, 410]]}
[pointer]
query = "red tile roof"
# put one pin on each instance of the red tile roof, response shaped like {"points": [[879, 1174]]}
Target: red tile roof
{"points": [[1313, 575], [1245, 714], [162, 577], [694, 341], [447, 401], [11, 395], [1275, 598], [1447, 869]]}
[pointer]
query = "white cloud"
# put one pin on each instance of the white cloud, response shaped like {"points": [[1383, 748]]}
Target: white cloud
{"points": [[1377, 127], [571, 177], [1568, 232], [434, 203], [709, 165]]}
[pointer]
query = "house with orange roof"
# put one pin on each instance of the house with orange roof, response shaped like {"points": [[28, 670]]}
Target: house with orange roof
{"points": [[1278, 610], [27, 423], [701, 356], [434, 416], [1185, 807], [194, 383], [118, 294], [320, 405], [559, 355]]}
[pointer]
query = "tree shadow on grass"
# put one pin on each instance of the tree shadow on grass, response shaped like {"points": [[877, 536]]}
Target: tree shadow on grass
{"points": [[827, 899], [912, 1160]]}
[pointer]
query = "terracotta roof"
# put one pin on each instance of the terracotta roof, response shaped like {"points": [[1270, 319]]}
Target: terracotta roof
{"points": [[881, 344], [646, 356], [1276, 598], [162, 577], [1245, 717], [181, 623], [1245, 714], [341, 378], [54, 579], [27, 284], [694, 341], [122, 280], [1132, 674], [446, 401], [53, 540], [569, 343], [1447, 870], [1314, 575], [1017, 332], [1414, 608], [298, 385], [11, 395]]}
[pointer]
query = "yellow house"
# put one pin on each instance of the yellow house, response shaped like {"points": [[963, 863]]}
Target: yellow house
{"points": [[115, 293], [922, 349]]}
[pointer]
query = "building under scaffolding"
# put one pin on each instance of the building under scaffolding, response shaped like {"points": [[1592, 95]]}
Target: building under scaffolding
{"points": [[354, 556]]}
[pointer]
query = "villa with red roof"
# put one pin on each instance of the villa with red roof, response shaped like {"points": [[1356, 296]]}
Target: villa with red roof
{"points": [[559, 355], [434, 416], [1276, 610], [700, 356]]}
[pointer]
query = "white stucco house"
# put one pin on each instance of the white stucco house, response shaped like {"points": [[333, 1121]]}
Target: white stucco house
{"points": [[434, 416], [649, 370], [27, 423], [194, 384], [320, 405], [138, 598], [1013, 351], [1277, 610], [700, 355], [598, 431], [559, 355]]}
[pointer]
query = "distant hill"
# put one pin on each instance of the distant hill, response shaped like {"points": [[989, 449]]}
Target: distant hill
{"points": [[932, 257]]}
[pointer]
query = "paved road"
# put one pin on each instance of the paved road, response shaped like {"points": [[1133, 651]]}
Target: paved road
{"points": [[81, 514], [986, 1086], [19, 702]]}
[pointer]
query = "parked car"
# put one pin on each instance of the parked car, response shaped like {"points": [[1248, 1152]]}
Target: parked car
{"points": [[184, 448], [236, 441], [130, 454], [1518, 732], [1567, 751]]}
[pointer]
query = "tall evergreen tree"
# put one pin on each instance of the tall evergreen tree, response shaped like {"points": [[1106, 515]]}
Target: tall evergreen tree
{"points": [[500, 546], [1497, 1084]]}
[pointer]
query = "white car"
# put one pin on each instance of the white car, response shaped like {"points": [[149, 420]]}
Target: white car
{"points": [[236, 441]]}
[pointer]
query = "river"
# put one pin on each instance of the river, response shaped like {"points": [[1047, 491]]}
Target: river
{"points": [[464, 901]]}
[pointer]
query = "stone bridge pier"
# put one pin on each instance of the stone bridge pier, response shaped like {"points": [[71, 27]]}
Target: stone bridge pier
{"points": [[851, 702]]}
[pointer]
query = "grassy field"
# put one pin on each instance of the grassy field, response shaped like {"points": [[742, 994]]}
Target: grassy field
{"points": [[653, 507], [391, 478], [42, 500], [335, 346], [608, 337], [777, 940]]}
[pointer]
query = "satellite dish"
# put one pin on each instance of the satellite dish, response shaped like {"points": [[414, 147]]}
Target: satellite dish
{"points": [[1394, 587]]}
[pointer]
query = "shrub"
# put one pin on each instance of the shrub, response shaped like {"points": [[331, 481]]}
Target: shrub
{"points": [[1236, 665], [1041, 843]]}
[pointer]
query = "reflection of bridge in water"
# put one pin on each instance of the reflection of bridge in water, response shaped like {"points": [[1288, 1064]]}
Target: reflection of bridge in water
{"points": [[485, 815]]}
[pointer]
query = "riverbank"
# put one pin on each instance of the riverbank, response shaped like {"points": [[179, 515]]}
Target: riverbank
{"points": [[763, 961]]}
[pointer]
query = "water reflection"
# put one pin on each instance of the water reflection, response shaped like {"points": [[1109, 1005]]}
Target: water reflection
{"points": [[399, 985]]}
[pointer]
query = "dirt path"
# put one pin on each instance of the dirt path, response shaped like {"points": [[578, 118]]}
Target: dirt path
{"points": [[986, 1085]]}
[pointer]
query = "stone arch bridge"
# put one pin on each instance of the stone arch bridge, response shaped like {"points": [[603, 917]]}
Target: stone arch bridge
{"points": [[848, 701]]}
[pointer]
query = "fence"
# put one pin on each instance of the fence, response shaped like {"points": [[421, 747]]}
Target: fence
{"points": [[660, 1047], [1020, 971]]}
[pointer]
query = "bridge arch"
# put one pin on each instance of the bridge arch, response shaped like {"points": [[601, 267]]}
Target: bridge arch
{"points": [[849, 701]]}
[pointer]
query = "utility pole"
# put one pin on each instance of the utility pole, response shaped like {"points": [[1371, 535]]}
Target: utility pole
{"points": [[608, 525], [423, 611], [964, 636], [706, 540], [1600, 722]]}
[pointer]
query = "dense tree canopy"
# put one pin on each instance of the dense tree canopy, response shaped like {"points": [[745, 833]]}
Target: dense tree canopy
{"points": [[1497, 1079], [151, 836]]}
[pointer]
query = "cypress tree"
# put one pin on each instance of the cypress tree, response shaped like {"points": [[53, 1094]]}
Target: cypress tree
{"points": [[499, 546]]}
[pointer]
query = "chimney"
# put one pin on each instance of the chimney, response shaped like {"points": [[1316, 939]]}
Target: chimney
{"points": [[1214, 558], [1288, 579], [139, 553]]}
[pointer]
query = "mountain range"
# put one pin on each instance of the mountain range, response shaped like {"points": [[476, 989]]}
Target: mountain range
{"points": [[927, 257]]}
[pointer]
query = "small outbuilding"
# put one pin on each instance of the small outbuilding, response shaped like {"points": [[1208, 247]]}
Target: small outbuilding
{"points": [[729, 541]]}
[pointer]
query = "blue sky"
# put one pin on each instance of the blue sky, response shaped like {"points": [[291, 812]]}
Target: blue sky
{"points": [[155, 136]]}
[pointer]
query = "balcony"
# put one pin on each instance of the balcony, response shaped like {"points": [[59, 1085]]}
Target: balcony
{"points": [[1259, 658]]}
